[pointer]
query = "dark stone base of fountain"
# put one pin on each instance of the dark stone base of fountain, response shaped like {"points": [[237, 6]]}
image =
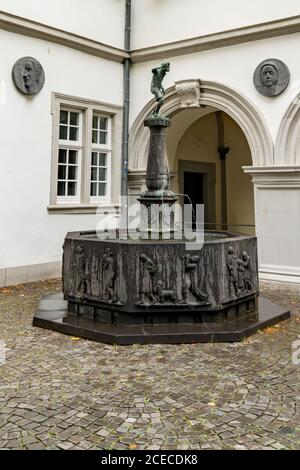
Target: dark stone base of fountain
{"points": [[158, 314], [128, 291], [53, 314]]}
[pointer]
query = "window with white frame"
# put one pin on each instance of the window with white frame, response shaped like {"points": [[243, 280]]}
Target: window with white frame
{"points": [[101, 157], [69, 155], [83, 152]]}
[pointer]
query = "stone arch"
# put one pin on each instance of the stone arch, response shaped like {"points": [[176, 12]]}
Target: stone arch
{"points": [[287, 148], [218, 96]]}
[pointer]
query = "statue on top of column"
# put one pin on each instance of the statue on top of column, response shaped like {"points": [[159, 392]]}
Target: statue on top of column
{"points": [[157, 88]]}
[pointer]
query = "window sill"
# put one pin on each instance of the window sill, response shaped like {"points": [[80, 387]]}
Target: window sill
{"points": [[106, 208]]}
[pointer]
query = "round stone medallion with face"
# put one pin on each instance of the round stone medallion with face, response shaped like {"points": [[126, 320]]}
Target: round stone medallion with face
{"points": [[271, 77], [28, 76]]}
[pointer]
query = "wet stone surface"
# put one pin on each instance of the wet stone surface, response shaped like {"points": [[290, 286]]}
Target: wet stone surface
{"points": [[59, 392]]}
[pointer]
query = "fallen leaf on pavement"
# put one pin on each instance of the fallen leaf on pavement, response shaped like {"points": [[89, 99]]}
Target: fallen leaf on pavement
{"points": [[132, 447]]}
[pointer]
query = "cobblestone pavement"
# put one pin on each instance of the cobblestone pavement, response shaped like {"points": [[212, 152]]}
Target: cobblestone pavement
{"points": [[61, 392]]}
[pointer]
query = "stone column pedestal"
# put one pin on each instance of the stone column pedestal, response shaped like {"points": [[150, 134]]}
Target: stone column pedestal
{"points": [[158, 202]]}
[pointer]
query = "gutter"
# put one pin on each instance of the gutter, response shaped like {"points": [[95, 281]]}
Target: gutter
{"points": [[126, 104]]}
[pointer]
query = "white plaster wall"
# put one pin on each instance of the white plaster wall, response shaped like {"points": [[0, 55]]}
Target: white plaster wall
{"points": [[28, 233], [102, 20], [233, 66], [278, 228], [162, 21]]}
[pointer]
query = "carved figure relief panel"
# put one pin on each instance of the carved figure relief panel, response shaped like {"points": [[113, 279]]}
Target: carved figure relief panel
{"points": [[239, 274], [191, 281], [156, 288], [153, 289], [93, 275]]}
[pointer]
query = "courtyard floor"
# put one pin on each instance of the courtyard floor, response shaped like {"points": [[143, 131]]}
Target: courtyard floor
{"points": [[60, 392]]}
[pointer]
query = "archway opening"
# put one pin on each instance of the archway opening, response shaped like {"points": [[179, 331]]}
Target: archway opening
{"points": [[207, 151], [251, 145]]}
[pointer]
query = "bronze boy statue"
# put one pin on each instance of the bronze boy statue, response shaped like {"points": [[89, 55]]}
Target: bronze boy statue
{"points": [[156, 86]]}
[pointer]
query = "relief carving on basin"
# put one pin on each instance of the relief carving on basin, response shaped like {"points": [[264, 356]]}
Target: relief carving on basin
{"points": [[130, 278]]}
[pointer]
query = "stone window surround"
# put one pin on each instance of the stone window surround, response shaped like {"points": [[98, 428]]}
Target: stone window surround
{"points": [[88, 107]]}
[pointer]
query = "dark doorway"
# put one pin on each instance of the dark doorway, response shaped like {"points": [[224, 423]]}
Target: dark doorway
{"points": [[193, 187], [193, 190], [197, 181]]}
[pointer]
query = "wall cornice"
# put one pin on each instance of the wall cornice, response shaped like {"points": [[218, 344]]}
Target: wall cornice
{"points": [[37, 30], [274, 168], [231, 37], [277, 175]]}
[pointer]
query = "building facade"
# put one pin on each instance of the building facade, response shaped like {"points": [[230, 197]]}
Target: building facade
{"points": [[63, 150]]}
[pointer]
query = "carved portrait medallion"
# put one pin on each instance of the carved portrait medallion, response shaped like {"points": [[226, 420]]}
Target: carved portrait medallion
{"points": [[28, 76], [271, 77]]}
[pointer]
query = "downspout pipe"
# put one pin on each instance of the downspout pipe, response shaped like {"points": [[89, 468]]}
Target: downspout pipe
{"points": [[126, 105]]}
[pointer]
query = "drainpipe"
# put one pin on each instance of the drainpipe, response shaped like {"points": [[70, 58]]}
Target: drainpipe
{"points": [[125, 132]]}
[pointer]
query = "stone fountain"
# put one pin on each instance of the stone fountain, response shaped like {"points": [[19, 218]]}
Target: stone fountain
{"points": [[157, 289]]}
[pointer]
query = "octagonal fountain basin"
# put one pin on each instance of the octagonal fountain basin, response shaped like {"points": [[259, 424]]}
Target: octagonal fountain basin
{"points": [[141, 291]]}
